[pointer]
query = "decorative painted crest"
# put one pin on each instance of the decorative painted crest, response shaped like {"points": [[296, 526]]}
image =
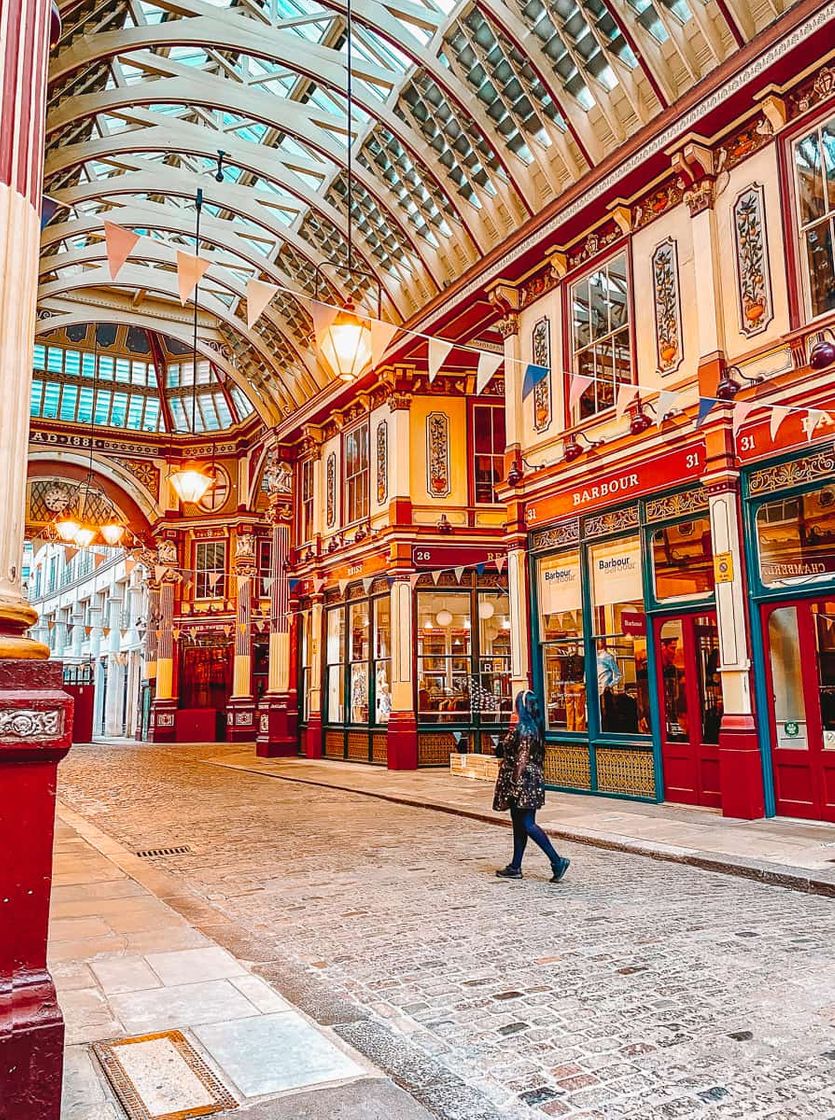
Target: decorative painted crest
{"points": [[753, 273], [437, 455], [330, 490], [667, 305], [382, 462], [541, 356]]}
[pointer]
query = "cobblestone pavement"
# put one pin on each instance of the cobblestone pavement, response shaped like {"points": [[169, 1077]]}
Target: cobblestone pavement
{"points": [[634, 989]]}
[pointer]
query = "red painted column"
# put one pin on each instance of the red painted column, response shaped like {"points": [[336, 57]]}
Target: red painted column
{"points": [[35, 733], [35, 713]]}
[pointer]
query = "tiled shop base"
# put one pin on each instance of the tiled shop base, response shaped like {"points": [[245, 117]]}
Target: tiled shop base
{"points": [[161, 1077]]}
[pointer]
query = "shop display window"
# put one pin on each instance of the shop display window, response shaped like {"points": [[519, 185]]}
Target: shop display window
{"points": [[619, 633], [561, 642], [824, 618], [461, 673], [335, 664], [787, 679], [601, 342], [382, 660], [356, 474], [682, 560], [814, 167], [796, 538], [359, 635]]}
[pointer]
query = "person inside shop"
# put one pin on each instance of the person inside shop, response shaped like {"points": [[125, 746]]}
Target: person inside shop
{"points": [[675, 698], [520, 786], [618, 710]]}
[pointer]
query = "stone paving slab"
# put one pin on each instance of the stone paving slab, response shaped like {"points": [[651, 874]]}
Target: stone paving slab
{"points": [[794, 854], [635, 990]]}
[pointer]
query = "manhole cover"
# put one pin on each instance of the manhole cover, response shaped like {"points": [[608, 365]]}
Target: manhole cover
{"points": [[162, 1077]]}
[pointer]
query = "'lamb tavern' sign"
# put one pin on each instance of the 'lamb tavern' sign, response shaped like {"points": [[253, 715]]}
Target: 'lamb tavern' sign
{"points": [[667, 471]]}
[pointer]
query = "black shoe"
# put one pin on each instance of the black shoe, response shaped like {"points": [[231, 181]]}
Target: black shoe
{"points": [[560, 869], [509, 873]]}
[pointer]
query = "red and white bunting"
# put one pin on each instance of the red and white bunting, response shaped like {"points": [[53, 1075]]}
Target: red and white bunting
{"points": [[500, 563]]}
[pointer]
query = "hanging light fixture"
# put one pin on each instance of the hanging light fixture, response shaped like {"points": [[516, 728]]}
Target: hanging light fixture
{"points": [[67, 527], [112, 533], [346, 343], [191, 482]]}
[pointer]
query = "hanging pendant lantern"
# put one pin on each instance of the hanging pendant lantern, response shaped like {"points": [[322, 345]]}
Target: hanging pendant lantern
{"points": [[85, 536], [66, 528], [191, 484], [346, 344], [112, 533]]}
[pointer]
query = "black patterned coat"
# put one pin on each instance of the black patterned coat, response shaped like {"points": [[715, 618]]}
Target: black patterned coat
{"points": [[521, 781]]}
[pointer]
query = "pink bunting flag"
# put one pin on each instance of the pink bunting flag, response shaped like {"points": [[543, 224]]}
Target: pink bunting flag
{"points": [[190, 271], [381, 335], [438, 353], [366, 584], [500, 563], [778, 415], [323, 316], [740, 414], [318, 584], [576, 387], [120, 245], [487, 365], [626, 395], [258, 295]]}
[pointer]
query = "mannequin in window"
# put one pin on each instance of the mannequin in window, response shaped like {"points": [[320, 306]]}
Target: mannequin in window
{"points": [[574, 687]]}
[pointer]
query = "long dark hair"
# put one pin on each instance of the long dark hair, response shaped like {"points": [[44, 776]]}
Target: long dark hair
{"points": [[529, 714]]}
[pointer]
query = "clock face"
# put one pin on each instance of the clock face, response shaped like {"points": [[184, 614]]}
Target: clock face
{"points": [[215, 498], [56, 497]]}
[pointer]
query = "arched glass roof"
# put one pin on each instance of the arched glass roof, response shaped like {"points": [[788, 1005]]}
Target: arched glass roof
{"points": [[469, 116], [133, 379]]}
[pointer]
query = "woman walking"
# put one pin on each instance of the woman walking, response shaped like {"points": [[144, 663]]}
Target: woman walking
{"points": [[520, 786]]}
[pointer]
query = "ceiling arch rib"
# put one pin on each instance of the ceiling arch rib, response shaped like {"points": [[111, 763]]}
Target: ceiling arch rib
{"points": [[163, 280], [153, 250]]}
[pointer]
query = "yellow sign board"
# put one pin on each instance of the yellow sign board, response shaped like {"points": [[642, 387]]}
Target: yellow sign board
{"points": [[723, 567]]}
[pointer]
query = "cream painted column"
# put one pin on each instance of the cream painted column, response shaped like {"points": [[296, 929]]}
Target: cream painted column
{"points": [[402, 739], [707, 267], [399, 459], [115, 671], [518, 590], [24, 38], [735, 664], [165, 641], [151, 628]]}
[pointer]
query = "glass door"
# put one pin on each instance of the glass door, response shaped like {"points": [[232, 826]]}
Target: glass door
{"points": [[800, 671], [690, 703]]}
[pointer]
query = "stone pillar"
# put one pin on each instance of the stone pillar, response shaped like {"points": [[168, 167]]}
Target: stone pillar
{"points": [[400, 465], [115, 671], [278, 712], [402, 725], [164, 705], [312, 746], [740, 761], [35, 714], [150, 613], [519, 594], [240, 710]]}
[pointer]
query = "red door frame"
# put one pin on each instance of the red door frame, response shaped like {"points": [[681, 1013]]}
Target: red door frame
{"points": [[698, 760], [814, 766]]}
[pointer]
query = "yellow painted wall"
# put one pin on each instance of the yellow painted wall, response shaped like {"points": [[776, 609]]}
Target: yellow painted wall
{"points": [[456, 409]]}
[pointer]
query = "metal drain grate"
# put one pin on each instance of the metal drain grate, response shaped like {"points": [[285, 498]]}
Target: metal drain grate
{"points": [[150, 853]]}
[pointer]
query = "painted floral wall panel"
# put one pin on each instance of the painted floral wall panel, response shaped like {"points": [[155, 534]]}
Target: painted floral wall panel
{"points": [[438, 481], [541, 356], [753, 273], [382, 462], [330, 490], [668, 334]]}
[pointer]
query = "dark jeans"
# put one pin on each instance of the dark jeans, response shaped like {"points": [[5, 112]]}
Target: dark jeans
{"points": [[524, 826]]}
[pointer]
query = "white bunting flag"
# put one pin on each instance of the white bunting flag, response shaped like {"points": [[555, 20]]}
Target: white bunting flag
{"points": [[577, 386], [190, 271], [258, 295], [366, 584], [814, 419], [343, 583], [436, 576], [626, 395], [438, 353], [778, 415], [487, 365], [667, 403], [381, 335], [459, 571], [413, 579], [740, 414]]}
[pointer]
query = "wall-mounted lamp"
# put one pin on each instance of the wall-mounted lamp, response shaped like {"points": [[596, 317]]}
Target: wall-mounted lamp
{"points": [[443, 524], [639, 421], [571, 448], [822, 353], [514, 475], [728, 386]]}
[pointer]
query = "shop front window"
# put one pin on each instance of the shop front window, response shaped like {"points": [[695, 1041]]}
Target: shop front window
{"points": [[444, 642], [620, 637], [561, 642], [602, 348], [490, 691], [824, 616], [359, 634], [796, 538], [674, 679], [335, 664], [682, 560], [382, 660], [787, 679], [814, 166], [210, 570]]}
